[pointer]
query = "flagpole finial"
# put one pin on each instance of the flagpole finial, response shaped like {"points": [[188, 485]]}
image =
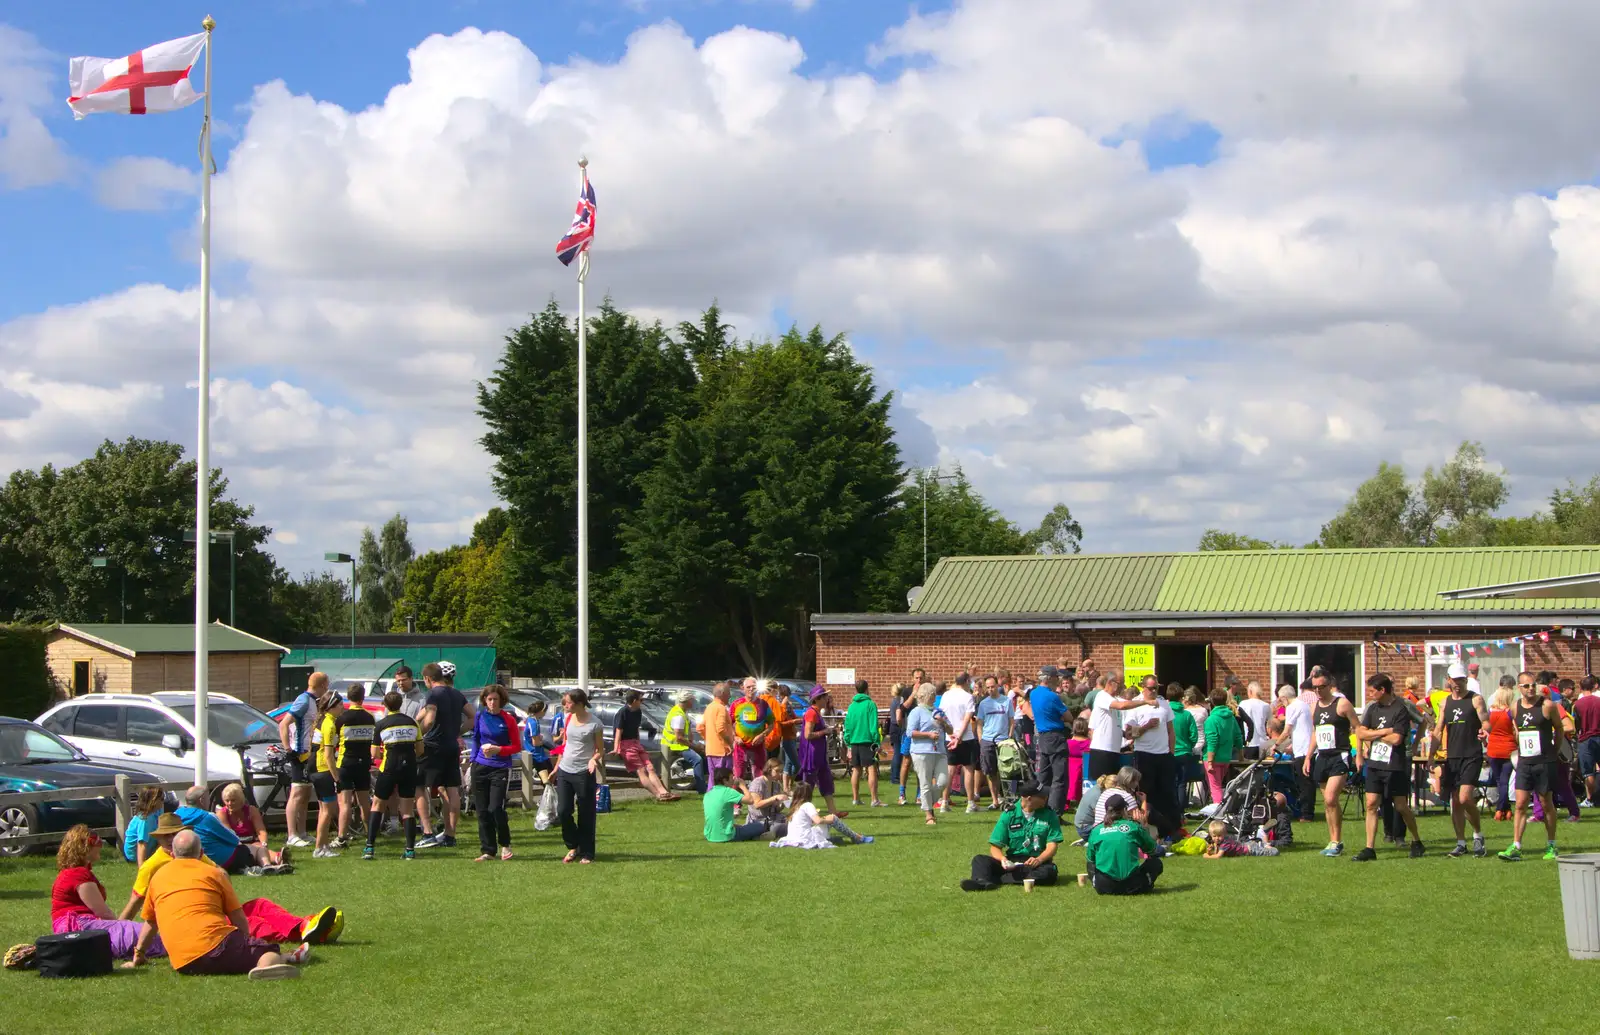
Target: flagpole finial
{"points": [[583, 163], [209, 23]]}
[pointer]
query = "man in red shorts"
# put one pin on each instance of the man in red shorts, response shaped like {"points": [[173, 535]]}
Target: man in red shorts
{"points": [[625, 744]]}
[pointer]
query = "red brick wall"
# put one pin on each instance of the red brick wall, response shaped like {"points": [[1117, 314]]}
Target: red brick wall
{"points": [[884, 657]]}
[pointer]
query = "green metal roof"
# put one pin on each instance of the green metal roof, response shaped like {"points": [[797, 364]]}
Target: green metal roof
{"points": [[171, 639], [1077, 583], [1251, 582]]}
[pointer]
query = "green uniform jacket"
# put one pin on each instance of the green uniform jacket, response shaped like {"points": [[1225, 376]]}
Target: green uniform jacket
{"points": [[861, 721], [1184, 732], [1022, 836], [1222, 735], [1114, 848]]}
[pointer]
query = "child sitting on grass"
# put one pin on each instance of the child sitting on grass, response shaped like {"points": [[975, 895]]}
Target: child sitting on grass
{"points": [[1220, 846], [808, 829], [767, 806]]}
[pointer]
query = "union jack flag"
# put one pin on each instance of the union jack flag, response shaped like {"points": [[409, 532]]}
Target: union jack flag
{"points": [[581, 232]]}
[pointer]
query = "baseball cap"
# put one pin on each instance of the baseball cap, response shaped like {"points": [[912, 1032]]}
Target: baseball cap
{"points": [[1457, 670], [1030, 790]]}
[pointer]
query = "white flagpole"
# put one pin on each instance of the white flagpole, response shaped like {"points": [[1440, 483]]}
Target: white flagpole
{"points": [[583, 470], [202, 474]]}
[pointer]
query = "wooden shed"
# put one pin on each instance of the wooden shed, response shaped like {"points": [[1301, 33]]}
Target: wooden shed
{"points": [[144, 659]]}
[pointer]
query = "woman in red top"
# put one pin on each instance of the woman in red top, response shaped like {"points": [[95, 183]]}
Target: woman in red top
{"points": [[241, 817], [78, 899], [1502, 741]]}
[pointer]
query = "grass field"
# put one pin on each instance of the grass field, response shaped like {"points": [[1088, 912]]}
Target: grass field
{"points": [[669, 934]]}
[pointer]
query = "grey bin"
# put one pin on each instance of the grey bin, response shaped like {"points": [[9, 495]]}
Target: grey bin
{"points": [[1580, 904]]}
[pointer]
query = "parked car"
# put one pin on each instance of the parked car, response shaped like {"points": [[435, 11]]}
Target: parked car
{"points": [[34, 759], [156, 732]]}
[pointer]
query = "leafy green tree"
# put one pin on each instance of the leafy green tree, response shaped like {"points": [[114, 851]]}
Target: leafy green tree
{"points": [[1454, 507], [381, 571], [639, 381], [1059, 533], [457, 589], [1379, 514], [131, 502], [317, 604], [1215, 539], [789, 451], [491, 528]]}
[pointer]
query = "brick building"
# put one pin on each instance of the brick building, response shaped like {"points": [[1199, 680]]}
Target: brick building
{"points": [[1198, 618]]}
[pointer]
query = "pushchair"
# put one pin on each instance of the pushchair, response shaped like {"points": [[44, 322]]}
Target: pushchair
{"points": [[1249, 805]]}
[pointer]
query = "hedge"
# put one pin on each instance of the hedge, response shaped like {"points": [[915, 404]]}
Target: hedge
{"points": [[27, 687]]}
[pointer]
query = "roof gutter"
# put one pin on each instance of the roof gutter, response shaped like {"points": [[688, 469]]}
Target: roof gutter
{"points": [[1077, 624]]}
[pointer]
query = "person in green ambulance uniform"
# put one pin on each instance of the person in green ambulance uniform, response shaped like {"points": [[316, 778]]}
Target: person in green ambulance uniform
{"points": [[1123, 858], [1022, 847]]}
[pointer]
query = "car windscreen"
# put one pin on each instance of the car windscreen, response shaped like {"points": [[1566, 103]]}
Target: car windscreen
{"points": [[233, 723], [20, 743]]}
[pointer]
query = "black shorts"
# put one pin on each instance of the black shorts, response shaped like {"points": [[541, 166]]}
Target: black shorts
{"points": [[299, 768], [989, 758], [323, 787], [1389, 784], [440, 768], [863, 756], [357, 776], [543, 765], [964, 753], [1536, 777], [242, 856], [1460, 772], [1326, 767], [402, 781]]}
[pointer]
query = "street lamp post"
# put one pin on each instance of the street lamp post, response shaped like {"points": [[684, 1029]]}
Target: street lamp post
{"points": [[233, 566], [344, 558], [101, 562], [924, 480], [818, 559]]}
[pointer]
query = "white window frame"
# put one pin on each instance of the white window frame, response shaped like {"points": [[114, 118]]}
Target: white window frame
{"points": [[1459, 654], [1293, 652]]}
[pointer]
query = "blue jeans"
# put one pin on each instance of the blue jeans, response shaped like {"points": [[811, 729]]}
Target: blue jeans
{"points": [[749, 831], [900, 746], [696, 761]]}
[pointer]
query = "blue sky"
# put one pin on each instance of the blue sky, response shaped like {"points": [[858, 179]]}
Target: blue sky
{"points": [[346, 52]]}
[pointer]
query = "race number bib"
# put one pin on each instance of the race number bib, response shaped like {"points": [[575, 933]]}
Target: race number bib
{"points": [[1382, 752], [1528, 744], [1326, 738]]}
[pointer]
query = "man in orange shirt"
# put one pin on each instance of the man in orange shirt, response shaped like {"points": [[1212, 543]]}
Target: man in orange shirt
{"points": [[717, 727], [192, 905]]}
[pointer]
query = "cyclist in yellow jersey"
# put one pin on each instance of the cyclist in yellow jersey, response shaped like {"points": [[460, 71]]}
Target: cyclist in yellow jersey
{"points": [[353, 731], [396, 783], [324, 743]]}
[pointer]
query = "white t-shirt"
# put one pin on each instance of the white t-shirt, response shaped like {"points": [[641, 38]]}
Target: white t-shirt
{"points": [[1154, 739], [958, 705], [1105, 725], [1473, 687], [1298, 716], [1259, 712]]}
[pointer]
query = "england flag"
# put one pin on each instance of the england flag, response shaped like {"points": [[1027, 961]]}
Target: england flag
{"points": [[153, 79]]}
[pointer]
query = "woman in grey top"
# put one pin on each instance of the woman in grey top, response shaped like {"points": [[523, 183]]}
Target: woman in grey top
{"points": [[575, 776]]}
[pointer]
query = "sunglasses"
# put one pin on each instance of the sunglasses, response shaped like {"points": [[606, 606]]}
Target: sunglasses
{"points": [[94, 839], [1524, 686]]}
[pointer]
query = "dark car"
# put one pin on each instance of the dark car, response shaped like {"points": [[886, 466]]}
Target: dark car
{"points": [[34, 759]]}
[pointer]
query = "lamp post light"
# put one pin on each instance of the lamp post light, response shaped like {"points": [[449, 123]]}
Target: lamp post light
{"points": [[936, 477], [818, 559], [233, 566], [101, 562], [344, 558]]}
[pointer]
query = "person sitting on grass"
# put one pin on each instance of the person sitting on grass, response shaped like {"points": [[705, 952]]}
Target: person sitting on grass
{"points": [[268, 920], [241, 817], [222, 846], [1123, 858], [808, 829], [148, 805], [718, 803], [1022, 846], [78, 899], [1220, 846], [192, 907], [769, 798]]}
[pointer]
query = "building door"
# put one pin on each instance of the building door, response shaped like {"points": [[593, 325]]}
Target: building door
{"points": [[1186, 663], [80, 678], [1343, 664]]}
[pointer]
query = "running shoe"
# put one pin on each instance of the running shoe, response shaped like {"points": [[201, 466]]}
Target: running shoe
{"points": [[1550, 853], [1512, 854], [1478, 848], [299, 955], [977, 885], [338, 926], [411, 854], [315, 928], [431, 841], [1458, 852], [867, 839], [339, 843], [972, 809], [297, 842], [902, 800], [1417, 850], [991, 807], [254, 871], [283, 856], [880, 804], [324, 853], [1366, 855], [448, 842], [1334, 848], [369, 853]]}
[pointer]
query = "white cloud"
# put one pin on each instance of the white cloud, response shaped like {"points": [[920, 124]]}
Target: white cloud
{"points": [[29, 155], [143, 183], [1368, 270]]}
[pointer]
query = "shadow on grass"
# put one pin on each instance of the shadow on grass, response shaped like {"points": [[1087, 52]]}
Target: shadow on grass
{"points": [[1172, 889], [22, 893]]}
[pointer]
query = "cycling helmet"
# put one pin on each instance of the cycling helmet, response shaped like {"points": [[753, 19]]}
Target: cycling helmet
{"points": [[447, 669]]}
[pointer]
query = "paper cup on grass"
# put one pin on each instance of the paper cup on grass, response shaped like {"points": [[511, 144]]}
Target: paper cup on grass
{"points": [[1027, 886]]}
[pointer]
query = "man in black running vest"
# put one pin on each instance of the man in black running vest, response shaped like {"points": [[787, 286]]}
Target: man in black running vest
{"points": [[1464, 727], [1539, 738], [1383, 735]]}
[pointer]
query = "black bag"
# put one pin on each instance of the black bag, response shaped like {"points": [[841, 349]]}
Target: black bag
{"points": [[75, 954]]}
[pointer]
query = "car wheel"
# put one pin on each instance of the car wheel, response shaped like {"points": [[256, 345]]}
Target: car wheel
{"points": [[17, 821]]}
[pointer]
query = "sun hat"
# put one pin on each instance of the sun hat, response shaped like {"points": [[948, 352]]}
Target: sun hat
{"points": [[169, 824], [818, 691]]}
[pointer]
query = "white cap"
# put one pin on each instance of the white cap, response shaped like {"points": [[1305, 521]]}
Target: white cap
{"points": [[1456, 671]]}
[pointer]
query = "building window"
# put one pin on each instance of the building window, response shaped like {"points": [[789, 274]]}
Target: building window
{"points": [[1493, 662], [1292, 664]]}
